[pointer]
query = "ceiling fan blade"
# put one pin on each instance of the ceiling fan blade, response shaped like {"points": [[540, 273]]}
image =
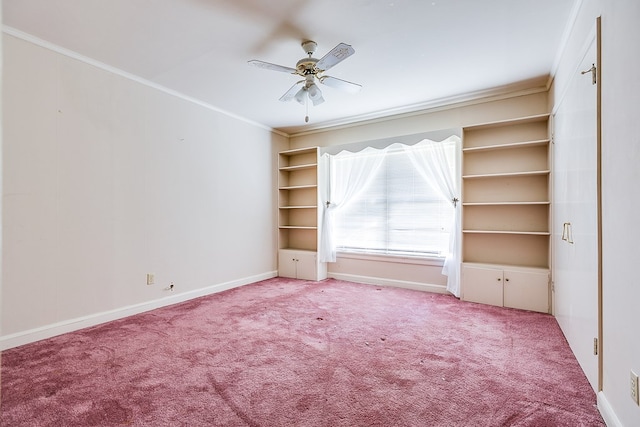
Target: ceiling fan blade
{"points": [[272, 67], [336, 55], [291, 93], [340, 84]]}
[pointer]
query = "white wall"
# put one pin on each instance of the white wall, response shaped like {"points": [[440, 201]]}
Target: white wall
{"points": [[416, 276], [621, 203], [620, 196], [107, 179]]}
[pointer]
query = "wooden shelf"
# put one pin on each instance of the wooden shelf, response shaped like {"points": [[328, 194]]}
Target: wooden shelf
{"points": [[298, 167], [511, 145], [298, 151], [506, 203], [299, 187], [508, 174], [297, 227], [509, 122], [530, 233], [298, 207], [526, 250]]}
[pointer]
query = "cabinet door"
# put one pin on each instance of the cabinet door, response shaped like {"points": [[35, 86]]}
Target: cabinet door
{"points": [[306, 267], [527, 290], [482, 284], [287, 264]]}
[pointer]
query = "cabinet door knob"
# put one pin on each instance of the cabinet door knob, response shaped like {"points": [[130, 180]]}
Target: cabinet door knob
{"points": [[499, 279], [506, 280]]}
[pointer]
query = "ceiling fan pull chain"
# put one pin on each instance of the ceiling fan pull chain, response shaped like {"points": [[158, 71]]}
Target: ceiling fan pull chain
{"points": [[306, 103]]}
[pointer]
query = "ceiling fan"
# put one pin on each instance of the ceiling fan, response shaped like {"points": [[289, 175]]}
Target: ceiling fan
{"points": [[312, 69]]}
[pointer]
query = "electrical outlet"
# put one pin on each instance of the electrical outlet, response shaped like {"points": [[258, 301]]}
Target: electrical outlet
{"points": [[634, 387], [150, 279]]}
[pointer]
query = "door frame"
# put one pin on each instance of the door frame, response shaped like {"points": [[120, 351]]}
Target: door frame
{"points": [[599, 192]]}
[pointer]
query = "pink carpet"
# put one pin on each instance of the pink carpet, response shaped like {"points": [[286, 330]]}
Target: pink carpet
{"points": [[284, 352]]}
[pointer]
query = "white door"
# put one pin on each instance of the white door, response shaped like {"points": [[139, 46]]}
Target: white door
{"points": [[287, 263], [575, 221], [526, 290], [306, 265], [482, 284]]}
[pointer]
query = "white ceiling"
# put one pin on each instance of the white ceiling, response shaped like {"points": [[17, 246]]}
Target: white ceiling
{"points": [[409, 53]]}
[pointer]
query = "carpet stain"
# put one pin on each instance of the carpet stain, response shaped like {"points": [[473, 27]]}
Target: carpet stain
{"points": [[107, 412], [222, 391]]}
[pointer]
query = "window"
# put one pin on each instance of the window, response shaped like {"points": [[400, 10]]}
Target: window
{"points": [[398, 213]]}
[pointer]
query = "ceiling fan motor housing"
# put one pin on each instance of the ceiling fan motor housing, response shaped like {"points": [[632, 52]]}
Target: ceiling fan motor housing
{"points": [[306, 66], [309, 47]]}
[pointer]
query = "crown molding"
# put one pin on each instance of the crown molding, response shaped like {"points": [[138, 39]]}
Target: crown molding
{"points": [[526, 87], [522, 88], [101, 65]]}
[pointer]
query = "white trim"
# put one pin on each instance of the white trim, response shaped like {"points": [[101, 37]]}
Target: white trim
{"points": [[608, 415], [395, 259], [48, 331], [416, 286], [101, 65]]}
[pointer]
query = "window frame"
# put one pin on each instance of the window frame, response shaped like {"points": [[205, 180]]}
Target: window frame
{"points": [[422, 258]]}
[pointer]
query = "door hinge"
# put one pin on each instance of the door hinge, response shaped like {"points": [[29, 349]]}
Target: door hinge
{"points": [[595, 346]]}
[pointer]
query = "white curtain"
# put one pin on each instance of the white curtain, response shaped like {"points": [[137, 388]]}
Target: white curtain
{"points": [[344, 185], [431, 161]]}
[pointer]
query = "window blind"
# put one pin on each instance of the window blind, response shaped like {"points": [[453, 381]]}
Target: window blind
{"points": [[397, 214]]}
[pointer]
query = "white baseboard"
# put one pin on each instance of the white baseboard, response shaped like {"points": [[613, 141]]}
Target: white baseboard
{"points": [[48, 331], [439, 289], [610, 418]]}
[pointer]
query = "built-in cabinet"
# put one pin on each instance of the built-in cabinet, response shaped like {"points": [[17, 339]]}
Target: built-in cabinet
{"points": [[524, 288], [505, 213], [298, 264], [299, 215]]}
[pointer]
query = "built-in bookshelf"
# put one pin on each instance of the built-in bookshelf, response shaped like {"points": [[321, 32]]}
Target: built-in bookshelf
{"points": [[299, 214], [506, 211]]}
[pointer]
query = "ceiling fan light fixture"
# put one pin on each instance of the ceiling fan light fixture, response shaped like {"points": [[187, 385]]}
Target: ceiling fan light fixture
{"points": [[317, 101], [315, 95], [301, 95], [314, 91]]}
